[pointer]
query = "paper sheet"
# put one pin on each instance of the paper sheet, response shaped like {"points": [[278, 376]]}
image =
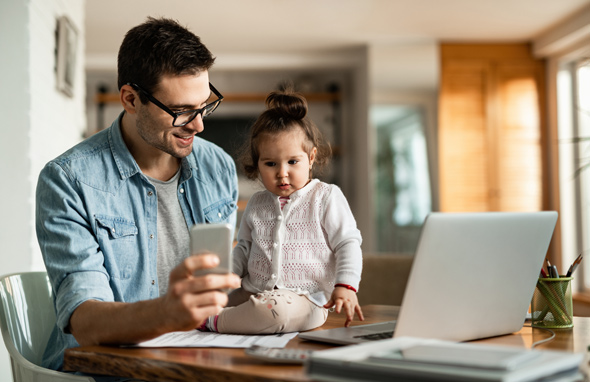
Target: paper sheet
{"points": [[198, 339]]}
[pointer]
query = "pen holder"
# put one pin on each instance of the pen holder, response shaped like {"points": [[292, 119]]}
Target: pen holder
{"points": [[552, 303]]}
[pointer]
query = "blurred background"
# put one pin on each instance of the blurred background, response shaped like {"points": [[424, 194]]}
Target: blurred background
{"points": [[429, 105]]}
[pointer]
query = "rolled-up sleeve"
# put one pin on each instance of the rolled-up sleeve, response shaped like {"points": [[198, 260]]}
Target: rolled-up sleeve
{"points": [[74, 262]]}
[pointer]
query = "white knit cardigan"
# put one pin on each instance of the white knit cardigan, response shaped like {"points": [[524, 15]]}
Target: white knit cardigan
{"points": [[308, 247]]}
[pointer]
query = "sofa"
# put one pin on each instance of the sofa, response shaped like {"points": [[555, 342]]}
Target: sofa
{"points": [[384, 278]]}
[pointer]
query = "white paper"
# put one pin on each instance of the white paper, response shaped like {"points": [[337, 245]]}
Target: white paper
{"points": [[198, 339]]}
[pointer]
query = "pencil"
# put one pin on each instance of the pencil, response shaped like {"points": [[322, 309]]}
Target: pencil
{"points": [[574, 265]]}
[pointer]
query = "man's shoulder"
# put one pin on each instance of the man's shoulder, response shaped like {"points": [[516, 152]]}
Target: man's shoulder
{"points": [[204, 148], [211, 158], [90, 162], [90, 147]]}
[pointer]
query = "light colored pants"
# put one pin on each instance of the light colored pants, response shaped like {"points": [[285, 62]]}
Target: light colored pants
{"points": [[274, 311]]}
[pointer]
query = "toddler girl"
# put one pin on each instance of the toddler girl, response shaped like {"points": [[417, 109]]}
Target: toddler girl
{"points": [[298, 250]]}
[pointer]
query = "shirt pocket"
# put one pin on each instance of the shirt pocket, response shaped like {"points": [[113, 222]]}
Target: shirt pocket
{"points": [[117, 238], [220, 211]]}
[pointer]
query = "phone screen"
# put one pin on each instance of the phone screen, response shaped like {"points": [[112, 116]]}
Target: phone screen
{"points": [[216, 239]]}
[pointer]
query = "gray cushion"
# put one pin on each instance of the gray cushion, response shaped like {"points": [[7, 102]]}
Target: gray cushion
{"points": [[384, 278]]}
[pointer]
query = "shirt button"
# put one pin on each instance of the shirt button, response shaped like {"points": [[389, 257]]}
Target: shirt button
{"points": [[280, 217], [275, 245], [150, 193], [273, 276], [219, 214], [112, 230], [153, 282], [152, 236], [182, 190]]}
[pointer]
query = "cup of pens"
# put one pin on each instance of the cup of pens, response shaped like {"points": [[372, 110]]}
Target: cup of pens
{"points": [[552, 303]]}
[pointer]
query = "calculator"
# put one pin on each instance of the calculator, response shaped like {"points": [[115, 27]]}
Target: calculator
{"points": [[278, 355]]}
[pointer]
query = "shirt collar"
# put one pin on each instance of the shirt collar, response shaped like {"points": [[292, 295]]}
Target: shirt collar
{"points": [[125, 162]]}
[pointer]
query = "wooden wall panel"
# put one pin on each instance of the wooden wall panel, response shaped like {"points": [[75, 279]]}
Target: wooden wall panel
{"points": [[490, 128], [463, 114], [519, 140]]}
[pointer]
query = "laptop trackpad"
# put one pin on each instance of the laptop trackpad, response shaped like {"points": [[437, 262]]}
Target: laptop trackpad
{"points": [[379, 331], [353, 334]]}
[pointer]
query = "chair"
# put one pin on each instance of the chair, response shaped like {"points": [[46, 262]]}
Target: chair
{"points": [[384, 278], [27, 318]]}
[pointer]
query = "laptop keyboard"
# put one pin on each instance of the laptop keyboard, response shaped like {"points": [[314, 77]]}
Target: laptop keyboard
{"points": [[376, 336]]}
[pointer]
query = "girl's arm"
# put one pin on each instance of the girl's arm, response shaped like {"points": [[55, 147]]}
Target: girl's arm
{"points": [[241, 251], [240, 257], [345, 240]]}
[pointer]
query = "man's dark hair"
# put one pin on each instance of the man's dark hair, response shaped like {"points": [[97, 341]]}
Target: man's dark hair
{"points": [[160, 47]]}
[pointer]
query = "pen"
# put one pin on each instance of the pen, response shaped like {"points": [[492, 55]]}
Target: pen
{"points": [[553, 272], [548, 266], [543, 273], [574, 265]]}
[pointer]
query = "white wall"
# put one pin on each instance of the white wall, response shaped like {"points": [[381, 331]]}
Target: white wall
{"points": [[38, 122], [15, 230], [405, 69]]}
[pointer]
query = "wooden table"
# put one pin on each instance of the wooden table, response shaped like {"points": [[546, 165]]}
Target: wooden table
{"points": [[216, 364]]}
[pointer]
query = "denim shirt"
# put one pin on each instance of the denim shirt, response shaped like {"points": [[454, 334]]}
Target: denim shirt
{"points": [[96, 224]]}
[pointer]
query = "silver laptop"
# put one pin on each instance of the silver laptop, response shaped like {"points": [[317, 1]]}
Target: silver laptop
{"points": [[473, 276]]}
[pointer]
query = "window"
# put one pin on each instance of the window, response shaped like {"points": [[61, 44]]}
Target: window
{"points": [[402, 185], [573, 110]]}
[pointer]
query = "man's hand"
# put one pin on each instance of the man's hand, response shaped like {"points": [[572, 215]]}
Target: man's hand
{"points": [[343, 298], [191, 299], [188, 302]]}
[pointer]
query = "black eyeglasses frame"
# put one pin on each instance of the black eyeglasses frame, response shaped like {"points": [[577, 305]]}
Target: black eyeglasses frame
{"points": [[205, 111]]}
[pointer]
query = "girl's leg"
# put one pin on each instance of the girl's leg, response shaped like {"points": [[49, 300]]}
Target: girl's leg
{"points": [[235, 297], [238, 296], [276, 311]]}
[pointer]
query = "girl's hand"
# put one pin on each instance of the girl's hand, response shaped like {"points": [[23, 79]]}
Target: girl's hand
{"points": [[345, 298]]}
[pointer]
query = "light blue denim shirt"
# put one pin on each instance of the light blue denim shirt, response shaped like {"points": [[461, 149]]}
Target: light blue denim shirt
{"points": [[96, 222]]}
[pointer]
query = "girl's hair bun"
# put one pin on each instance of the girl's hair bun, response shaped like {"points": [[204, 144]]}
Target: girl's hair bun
{"points": [[289, 104], [286, 111]]}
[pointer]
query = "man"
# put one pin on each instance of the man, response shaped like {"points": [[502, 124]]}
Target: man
{"points": [[113, 212]]}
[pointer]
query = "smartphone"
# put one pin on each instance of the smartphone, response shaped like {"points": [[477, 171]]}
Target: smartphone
{"points": [[213, 238]]}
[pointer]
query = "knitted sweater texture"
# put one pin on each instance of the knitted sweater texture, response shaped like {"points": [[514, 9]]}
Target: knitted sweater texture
{"points": [[308, 246]]}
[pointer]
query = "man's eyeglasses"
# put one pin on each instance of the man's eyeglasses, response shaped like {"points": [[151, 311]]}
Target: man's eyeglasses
{"points": [[184, 117]]}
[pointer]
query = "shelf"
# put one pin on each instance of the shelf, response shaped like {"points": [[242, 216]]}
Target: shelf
{"points": [[234, 97], [261, 97]]}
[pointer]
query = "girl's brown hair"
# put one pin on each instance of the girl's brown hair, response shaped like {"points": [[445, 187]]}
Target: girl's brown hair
{"points": [[286, 110]]}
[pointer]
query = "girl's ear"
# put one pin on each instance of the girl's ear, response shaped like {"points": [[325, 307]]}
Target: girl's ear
{"points": [[312, 156]]}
